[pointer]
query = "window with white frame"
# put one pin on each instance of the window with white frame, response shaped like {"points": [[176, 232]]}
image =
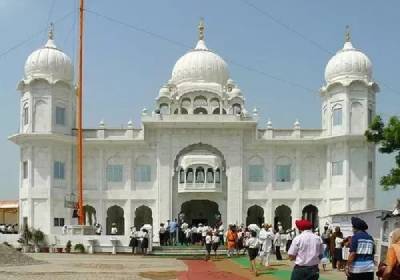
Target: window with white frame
{"points": [[283, 173], [25, 170], [370, 115], [114, 173], [60, 115], [59, 222], [370, 170], [337, 168], [59, 170], [25, 114], [256, 173], [143, 173], [337, 116]]}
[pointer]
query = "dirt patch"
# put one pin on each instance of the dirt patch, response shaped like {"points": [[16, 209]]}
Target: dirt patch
{"points": [[159, 275], [11, 257]]}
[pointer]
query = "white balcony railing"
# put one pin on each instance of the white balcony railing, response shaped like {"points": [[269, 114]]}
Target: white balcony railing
{"points": [[199, 187]]}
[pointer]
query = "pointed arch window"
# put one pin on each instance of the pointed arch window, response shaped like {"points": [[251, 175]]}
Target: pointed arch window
{"points": [[337, 116], [217, 176], [181, 176], [210, 175], [189, 175], [25, 114]]}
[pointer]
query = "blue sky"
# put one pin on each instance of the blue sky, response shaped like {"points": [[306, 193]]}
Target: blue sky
{"points": [[124, 67]]}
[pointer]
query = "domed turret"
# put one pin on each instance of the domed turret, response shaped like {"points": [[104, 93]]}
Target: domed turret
{"points": [[49, 63], [348, 63], [200, 65]]}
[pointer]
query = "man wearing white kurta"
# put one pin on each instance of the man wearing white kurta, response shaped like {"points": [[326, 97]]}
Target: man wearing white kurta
{"points": [[266, 237]]}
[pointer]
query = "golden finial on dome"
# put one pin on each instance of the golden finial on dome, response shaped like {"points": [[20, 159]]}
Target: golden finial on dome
{"points": [[51, 31], [201, 29], [347, 36]]}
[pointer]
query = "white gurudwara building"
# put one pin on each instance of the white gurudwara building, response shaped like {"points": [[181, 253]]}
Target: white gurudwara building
{"points": [[199, 152]]}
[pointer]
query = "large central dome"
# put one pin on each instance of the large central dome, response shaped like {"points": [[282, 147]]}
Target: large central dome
{"points": [[200, 65]]}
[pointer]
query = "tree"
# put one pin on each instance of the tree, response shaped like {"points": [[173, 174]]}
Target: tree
{"points": [[388, 137]]}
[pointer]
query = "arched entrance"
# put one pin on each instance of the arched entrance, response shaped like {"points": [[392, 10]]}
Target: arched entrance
{"points": [[90, 215], [143, 215], [310, 213], [115, 214], [283, 214], [200, 211], [255, 215]]}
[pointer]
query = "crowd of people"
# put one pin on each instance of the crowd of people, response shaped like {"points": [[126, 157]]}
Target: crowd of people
{"points": [[306, 246], [9, 228], [139, 239]]}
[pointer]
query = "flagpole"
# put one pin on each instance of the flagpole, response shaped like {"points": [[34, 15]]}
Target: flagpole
{"points": [[79, 138]]}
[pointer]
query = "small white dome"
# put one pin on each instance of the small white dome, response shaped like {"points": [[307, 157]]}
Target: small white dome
{"points": [[200, 65], [49, 63], [164, 91], [348, 63], [235, 92]]}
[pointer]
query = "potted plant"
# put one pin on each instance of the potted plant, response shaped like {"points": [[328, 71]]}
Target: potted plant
{"points": [[68, 247], [79, 248], [37, 238]]}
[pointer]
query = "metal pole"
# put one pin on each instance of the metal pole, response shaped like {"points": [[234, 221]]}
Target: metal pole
{"points": [[79, 119]]}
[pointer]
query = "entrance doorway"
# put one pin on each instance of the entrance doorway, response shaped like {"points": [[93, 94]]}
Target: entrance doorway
{"points": [[255, 215], [200, 211], [283, 214], [115, 215]]}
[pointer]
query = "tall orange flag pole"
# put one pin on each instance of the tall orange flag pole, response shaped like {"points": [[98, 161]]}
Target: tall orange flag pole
{"points": [[79, 140]]}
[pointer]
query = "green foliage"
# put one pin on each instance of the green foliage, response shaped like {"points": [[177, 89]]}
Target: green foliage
{"points": [[79, 248], [388, 137], [68, 246], [37, 236]]}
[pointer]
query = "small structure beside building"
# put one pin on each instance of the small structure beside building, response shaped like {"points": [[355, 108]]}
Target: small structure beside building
{"points": [[390, 221], [9, 212]]}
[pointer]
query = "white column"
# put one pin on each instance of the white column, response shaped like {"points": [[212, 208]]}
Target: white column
{"points": [[296, 212], [346, 174], [235, 184], [164, 178], [128, 217], [297, 176]]}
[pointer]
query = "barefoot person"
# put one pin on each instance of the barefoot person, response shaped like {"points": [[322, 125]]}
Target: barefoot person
{"points": [[253, 245], [305, 251]]}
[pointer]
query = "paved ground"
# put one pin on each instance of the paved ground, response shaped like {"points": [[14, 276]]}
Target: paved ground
{"points": [[121, 267], [96, 267]]}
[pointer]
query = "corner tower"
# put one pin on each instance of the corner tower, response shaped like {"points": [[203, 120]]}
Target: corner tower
{"points": [[47, 117], [348, 97], [47, 92], [348, 106]]}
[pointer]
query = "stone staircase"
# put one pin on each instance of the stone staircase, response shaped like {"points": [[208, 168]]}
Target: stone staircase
{"points": [[183, 251]]}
